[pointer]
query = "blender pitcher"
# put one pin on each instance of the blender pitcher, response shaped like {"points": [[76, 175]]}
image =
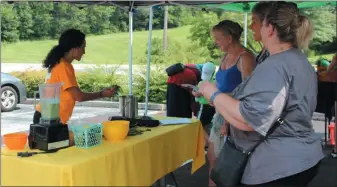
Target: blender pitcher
{"points": [[50, 100]]}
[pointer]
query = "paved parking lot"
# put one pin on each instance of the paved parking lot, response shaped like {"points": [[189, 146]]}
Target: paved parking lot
{"points": [[22, 117]]}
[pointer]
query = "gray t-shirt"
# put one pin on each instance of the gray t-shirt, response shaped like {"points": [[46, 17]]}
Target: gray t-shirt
{"points": [[284, 79]]}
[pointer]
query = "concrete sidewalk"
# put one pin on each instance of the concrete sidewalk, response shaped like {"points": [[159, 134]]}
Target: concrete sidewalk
{"points": [[108, 104], [10, 67]]}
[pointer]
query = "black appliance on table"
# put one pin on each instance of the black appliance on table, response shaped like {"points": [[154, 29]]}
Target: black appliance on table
{"points": [[50, 134]]}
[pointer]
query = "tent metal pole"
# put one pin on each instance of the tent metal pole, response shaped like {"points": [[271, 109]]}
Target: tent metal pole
{"points": [[165, 28], [0, 34], [335, 130], [335, 108], [149, 45], [130, 49], [246, 25]]}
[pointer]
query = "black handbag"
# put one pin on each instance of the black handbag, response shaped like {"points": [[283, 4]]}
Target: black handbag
{"points": [[174, 69], [232, 160]]}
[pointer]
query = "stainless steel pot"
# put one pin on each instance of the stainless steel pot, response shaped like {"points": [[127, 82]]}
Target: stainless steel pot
{"points": [[128, 106]]}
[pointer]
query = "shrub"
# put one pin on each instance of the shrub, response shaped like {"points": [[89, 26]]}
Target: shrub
{"points": [[31, 79], [157, 91], [100, 77], [92, 80], [176, 52]]}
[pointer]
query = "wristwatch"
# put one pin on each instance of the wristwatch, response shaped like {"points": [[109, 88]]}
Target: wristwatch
{"points": [[216, 93]]}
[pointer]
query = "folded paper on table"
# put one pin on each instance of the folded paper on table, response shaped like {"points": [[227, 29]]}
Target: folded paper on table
{"points": [[176, 121]]}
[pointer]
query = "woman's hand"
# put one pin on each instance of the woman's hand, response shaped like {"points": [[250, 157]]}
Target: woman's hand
{"points": [[334, 59], [196, 94], [108, 92], [207, 89], [333, 64]]}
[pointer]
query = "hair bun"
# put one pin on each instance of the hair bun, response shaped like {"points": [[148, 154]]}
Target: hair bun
{"points": [[240, 29], [230, 27]]}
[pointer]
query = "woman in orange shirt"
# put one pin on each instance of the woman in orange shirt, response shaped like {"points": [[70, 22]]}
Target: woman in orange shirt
{"points": [[71, 46], [332, 69], [332, 74]]}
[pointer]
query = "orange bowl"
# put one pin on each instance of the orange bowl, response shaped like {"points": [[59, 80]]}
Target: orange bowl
{"points": [[15, 141], [115, 131]]}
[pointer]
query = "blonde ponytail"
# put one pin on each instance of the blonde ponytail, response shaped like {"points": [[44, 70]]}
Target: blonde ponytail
{"points": [[304, 33]]}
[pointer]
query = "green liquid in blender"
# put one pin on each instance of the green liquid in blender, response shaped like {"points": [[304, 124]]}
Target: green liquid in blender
{"points": [[50, 109]]}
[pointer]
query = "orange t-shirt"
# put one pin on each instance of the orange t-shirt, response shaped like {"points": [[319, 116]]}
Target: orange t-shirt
{"points": [[64, 72]]}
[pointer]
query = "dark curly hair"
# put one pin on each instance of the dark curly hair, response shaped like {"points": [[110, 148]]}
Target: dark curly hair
{"points": [[71, 38]]}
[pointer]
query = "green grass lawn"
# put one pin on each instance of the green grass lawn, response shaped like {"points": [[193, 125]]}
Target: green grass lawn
{"points": [[104, 49]]}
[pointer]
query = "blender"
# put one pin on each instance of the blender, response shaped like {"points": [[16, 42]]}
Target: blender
{"points": [[50, 133]]}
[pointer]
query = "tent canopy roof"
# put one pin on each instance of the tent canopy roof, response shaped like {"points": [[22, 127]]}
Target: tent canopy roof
{"points": [[238, 6], [135, 4], [247, 6]]}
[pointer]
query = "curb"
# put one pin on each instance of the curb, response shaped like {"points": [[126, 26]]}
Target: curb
{"points": [[107, 104]]}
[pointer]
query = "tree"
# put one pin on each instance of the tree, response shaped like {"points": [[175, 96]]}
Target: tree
{"points": [[201, 31], [9, 23], [120, 20], [98, 18], [66, 16], [324, 21], [25, 18], [42, 16]]}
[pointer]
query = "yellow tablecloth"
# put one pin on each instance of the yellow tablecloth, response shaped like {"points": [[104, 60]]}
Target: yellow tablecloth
{"points": [[137, 161]]}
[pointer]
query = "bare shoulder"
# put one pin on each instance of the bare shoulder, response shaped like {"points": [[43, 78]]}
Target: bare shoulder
{"points": [[248, 57], [248, 63]]}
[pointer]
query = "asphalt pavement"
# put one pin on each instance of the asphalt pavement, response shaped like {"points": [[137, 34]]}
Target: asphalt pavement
{"points": [[22, 117]]}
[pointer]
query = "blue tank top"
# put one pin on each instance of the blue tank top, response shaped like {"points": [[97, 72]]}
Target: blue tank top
{"points": [[227, 80]]}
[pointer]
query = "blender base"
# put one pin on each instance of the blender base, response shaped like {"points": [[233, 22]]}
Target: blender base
{"points": [[48, 137]]}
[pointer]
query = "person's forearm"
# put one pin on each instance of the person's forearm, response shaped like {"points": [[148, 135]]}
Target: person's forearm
{"points": [[230, 110], [90, 96], [331, 67]]}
